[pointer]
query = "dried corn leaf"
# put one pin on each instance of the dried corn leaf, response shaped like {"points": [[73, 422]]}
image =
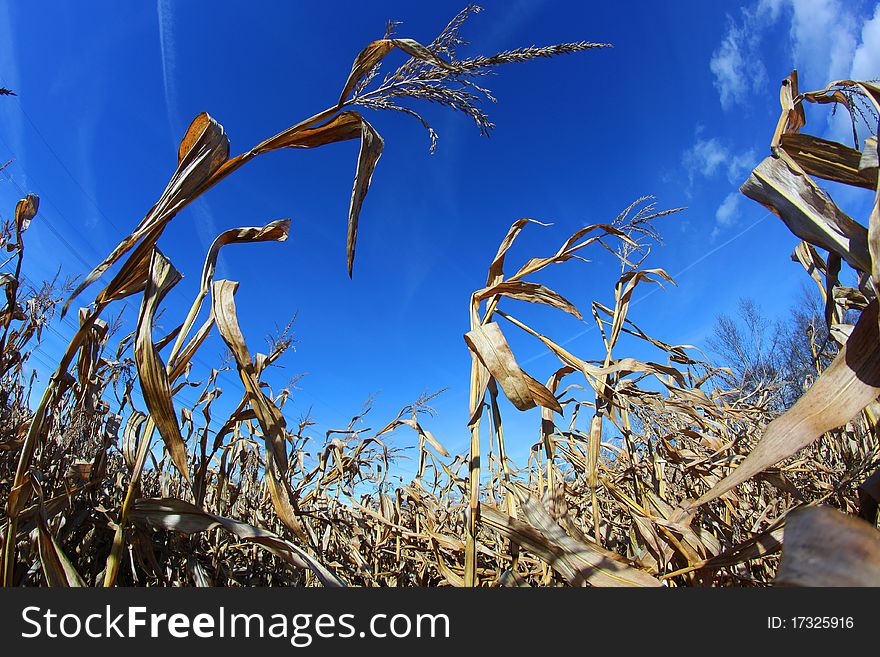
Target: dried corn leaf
{"points": [[624, 291], [275, 231], [807, 211], [177, 515], [202, 152], [496, 269], [827, 159], [760, 545], [370, 56], [622, 366], [531, 292], [56, 566], [524, 392], [25, 211], [366, 60], [571, 246], [869, 161], [151, 370], [806, 254], [577, 561], [792, 118], [371, 151], [271, 421], [824, 547], [342, 127], [131, 437], [419, 429]]}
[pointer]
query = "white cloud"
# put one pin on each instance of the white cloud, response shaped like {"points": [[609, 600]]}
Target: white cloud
{"points": [[740, 164], [704, 157], [770, 9], [708, 157], [727, 213], [736, 68], [823, 43], [823, 35], [866, 60]]}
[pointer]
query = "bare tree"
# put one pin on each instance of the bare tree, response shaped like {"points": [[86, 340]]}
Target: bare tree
{"points": [[783, 355]]}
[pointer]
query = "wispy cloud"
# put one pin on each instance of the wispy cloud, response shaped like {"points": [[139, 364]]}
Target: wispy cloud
{"points": [[727, 213], [824, 43], [709, 157], [823, 37], [206, 226], [737, 69], [866, 58], [165, 12]]}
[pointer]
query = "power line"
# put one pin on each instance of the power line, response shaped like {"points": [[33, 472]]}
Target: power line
{"points": [[76, 253], [64, 166]]}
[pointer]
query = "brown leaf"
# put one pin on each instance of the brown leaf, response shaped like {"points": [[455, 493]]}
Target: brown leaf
{"points": [[807, 211], [275, 231], [496, 269], [828, 159], [202, 152], [371, 151], [524, 392], [270, 418], [151, 370], [25, 210], [342, 127], [370, 56], [822, 546], [869, 161], [56, 566], [531, 292], [578, 561], [177, 515], [364, 63]]}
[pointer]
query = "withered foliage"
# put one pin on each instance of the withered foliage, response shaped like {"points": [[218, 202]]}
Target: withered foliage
{"points": [[642, 472]]}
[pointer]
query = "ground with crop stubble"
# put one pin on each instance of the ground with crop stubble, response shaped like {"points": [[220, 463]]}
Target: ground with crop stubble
{"points": [[664, 471]]}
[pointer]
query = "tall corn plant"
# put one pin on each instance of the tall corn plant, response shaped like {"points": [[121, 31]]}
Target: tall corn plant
{"points": [[433, 73], [579, 501]]}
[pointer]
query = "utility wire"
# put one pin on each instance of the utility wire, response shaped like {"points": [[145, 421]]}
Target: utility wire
{"points": [[64, 166]]}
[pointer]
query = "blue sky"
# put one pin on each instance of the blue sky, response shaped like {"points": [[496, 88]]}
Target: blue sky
{"points": [[681, 108]]}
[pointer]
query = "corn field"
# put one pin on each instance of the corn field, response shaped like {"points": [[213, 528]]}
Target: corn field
{"points": [[660, 472]]}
